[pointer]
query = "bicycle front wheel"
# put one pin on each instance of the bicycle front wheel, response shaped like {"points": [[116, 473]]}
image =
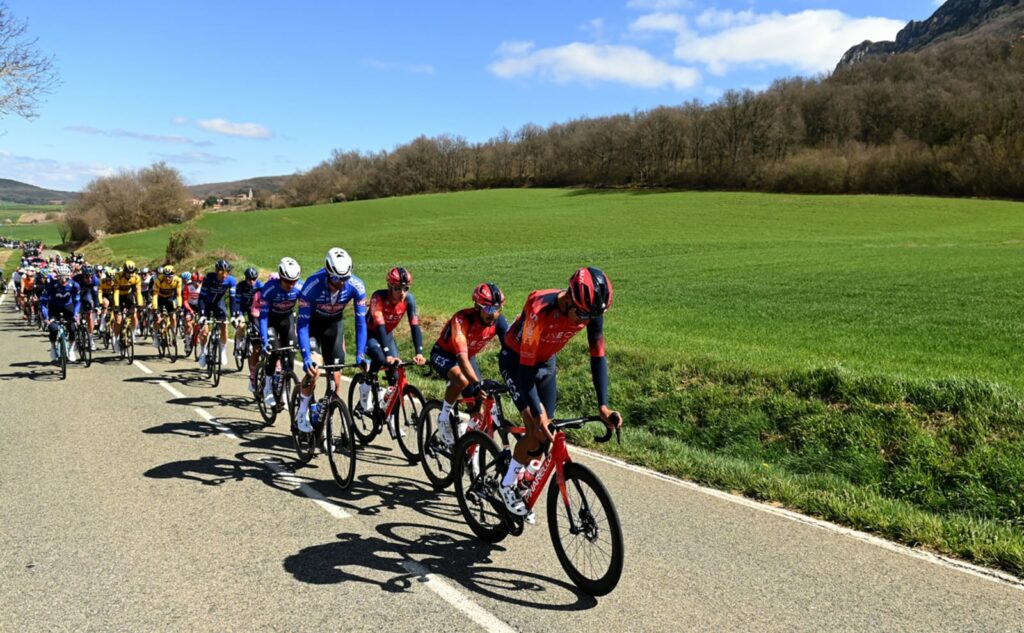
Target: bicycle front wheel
{"points": [[405, 417], [62, 356], [341, 445], [305, 443], [435, 456], [240, 351], [586, 531], [479, 473], [130, 345]]}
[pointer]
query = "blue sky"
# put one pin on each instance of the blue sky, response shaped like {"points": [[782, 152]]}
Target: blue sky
{"points": [[230, 89]]}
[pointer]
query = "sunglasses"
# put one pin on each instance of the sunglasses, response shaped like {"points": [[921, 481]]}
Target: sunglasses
{"points": [[403, 288], [489, 309], [336, 278]]}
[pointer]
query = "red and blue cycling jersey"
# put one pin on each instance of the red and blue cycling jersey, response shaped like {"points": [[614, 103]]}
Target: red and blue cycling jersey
{"points": [[275, 300], [465, 333], [386, 315], [541, 331], [317, 302]]}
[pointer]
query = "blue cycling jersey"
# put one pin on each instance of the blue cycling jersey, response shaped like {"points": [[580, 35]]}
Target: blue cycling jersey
{"points": [[214, 291], [244, 292], [318, 301], [60, 297], [89, 286], [275, 300]]}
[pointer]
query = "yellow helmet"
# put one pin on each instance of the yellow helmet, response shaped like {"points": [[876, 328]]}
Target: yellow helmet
{"points": [[129, 266], [168, 270]]}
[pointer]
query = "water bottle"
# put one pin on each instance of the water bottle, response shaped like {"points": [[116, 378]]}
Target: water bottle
{"points": [[314, 413], [494, 412], [387, 396], [529, 473]]}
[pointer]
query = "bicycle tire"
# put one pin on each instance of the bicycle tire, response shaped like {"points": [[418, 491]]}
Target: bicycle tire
{"points": [[172, 347], [269, 414], [86, 338], [477, 487], [340, 443], [62, 357], [214, 362], [435, 457], [130, 344], [365, 425], [239, 355], [305, 443], [406, 416], [600, 526]]}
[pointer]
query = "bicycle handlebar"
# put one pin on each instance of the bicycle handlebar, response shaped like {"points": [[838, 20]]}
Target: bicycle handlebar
{"points": [[576, 423]]}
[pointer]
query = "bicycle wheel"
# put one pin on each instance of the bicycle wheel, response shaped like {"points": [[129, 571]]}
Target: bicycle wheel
{"points": [[305, 443], [366, 425], [172, 344], [213, 360], [239, 352], [62, 357], [479, 473], [195, 346], [269, 414], [86, 346], [435, 455], [586, 531], [341, 445], [405, 417], [130, 345]]}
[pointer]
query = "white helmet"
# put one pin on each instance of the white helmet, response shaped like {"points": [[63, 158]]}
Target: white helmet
{"points": [[338, 263], [63, 271], [289, 268]]}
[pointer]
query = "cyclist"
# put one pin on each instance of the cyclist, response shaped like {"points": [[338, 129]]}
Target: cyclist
{"points": [[241, 305], [88, 284], [387, 307], [16, 282], [127, 292], [548, 321], [322, 304], [462, 338], [166, 299], [190, 287], [217, 286], [277, 299], [62, 301]]}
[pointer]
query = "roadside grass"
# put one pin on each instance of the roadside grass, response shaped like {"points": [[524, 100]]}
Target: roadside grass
{"points": [[855, 358], [47, 232]]}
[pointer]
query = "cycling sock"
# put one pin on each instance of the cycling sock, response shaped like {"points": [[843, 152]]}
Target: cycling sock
{"points": [[513, 471], [446, 410], [304, 405]]}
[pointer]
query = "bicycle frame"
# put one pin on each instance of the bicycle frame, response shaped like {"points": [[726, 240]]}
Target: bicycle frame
{"points": [[553, 464]]}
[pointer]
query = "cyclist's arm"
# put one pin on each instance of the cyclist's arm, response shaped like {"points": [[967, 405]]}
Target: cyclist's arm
{"points": [[414, 323], [77, 307], [177, 293], [155, 295], [264, 320], [138, 293], [598, 360], [117, 294], [43, 307], [302, 325], [458, 338], [360, 310]]}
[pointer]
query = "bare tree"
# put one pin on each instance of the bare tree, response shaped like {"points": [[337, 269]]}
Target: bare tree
{"points": [[25, 73]]}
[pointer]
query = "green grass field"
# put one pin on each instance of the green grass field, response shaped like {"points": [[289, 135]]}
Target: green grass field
{"points": [[854, 357]]}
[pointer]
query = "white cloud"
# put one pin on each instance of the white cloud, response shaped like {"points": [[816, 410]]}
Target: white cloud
{"points": [[808, 41], [50, 173], [659, 5], [179, 120], [191, 158], [138, 136], [591, 62], [246, 130], [672, 22]]}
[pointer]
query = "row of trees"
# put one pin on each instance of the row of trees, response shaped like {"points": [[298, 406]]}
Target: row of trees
{"points": [[128, 201], [946, 121]]}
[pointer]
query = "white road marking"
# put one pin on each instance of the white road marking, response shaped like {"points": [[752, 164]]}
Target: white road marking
{"points": [[145, 370], [456, 598], [225, 431], [288, 477], [171, 390]]}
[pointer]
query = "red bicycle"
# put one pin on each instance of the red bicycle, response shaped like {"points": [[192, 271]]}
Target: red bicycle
{"points": [[399, 405], [584, 525]]}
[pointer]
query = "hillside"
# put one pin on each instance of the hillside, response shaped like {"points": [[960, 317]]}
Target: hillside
{"points": [[23, 193], [269, 184], [956, 19]]}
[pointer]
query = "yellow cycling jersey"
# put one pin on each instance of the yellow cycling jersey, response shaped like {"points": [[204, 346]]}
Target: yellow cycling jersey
{"points": [[123, 285], [106, 287], [167, 289]]}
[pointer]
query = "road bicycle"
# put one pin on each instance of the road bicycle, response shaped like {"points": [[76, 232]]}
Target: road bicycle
{"points": [[244, 341], [62, 346], [284, 384], [83, 342], [213, 343], [332, 430], [167, 337], [126, 339], [399, 405], [582, 520], [484, 414]]}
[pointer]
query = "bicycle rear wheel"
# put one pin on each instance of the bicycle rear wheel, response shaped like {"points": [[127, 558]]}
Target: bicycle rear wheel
{"points": [[405, 418], [239, 351], [84, 342], [213, 359], [129, 344], [586, 531], [305, 443], [365, 424], [268, 413], [435, 456], [172, 345], [62, 357], [341, 445], [478, 476]]}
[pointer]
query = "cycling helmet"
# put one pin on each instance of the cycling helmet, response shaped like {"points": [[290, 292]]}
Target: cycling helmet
{"points": [[63, 270], [129, 266], [338, 263], [145, 270], [251, 274], [399, 277], [590, 291], [223, 264], [289, 269], [89, 271], [488, 295], [169, 270], [186, 276], [273, 277]]}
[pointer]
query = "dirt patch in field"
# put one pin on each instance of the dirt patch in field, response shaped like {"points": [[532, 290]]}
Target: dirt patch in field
{"points": [[32, 218]]}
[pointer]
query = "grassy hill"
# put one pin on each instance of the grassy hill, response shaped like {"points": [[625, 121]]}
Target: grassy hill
{"points": [[13, 191], [854, 357], [271, 184]]}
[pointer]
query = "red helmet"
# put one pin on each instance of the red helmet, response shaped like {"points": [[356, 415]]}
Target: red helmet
{"points": [[399, 276], [488, 295], [591, 291]]}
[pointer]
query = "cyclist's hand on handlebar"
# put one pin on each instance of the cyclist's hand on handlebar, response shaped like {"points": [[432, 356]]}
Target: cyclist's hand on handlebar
{"points": [[268, 348], [391, 360], [419, 359], [612, 419], [310, 367]]}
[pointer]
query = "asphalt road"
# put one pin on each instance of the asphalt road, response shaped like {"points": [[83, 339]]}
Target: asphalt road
{"points": [[151, 501]]}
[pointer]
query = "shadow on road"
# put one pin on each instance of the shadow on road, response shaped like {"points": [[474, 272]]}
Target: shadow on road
{"points": [[455, 555]]}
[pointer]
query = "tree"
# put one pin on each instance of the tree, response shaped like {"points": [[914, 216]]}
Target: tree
{"points": [[25, 73]]}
